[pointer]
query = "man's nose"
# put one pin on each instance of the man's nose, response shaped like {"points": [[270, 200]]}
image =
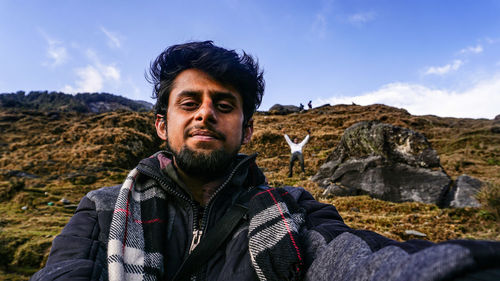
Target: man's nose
{"points": [[206, 112]]}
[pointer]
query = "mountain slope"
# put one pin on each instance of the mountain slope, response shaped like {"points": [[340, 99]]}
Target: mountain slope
{"points": [[47, 156]]}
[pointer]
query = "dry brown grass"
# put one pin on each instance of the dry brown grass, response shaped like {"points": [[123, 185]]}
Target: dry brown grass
{"points": [[78, 153]]}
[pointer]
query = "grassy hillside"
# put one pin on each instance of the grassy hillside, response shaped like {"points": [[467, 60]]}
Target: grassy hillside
{"points": [[44, 158]]}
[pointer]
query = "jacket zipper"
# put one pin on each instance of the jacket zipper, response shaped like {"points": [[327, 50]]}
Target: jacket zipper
{"points": [[196, 239], [197, 232], [208, 210]]}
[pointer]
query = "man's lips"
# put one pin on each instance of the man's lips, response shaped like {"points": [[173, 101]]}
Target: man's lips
{"points": [[203, 134]]}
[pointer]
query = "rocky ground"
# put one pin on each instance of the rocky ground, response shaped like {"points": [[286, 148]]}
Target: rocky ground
{"points": [[45, 158]]}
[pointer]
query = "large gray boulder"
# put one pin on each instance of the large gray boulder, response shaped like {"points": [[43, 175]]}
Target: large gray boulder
{"points": [[283, 109], [463, 192], [386, 162]]}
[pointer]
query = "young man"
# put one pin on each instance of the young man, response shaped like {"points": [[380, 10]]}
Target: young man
{"points": [[296, 152], [201, 211]]}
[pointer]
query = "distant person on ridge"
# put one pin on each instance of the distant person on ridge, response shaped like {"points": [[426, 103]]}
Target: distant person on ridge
{"points": [[310, 105], [301, 107], [296, 152]]}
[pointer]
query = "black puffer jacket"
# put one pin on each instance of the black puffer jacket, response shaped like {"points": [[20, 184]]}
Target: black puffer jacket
{"points": [[332, 250]]}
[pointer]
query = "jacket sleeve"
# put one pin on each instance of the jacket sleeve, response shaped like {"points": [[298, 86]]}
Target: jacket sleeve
{"points": [[335, 251], [74, 251]]}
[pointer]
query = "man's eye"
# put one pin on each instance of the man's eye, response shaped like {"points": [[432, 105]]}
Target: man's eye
{"points": [[224, 107], [189, 105]]}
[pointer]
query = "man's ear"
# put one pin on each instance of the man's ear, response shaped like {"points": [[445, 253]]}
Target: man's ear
{"points": [[161, 126], [247, 132]]}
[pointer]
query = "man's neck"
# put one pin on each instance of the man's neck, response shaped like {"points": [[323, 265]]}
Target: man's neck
{"points": [[201, 189]]}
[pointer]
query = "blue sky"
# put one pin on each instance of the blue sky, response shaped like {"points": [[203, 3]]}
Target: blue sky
{"points": [[429, 57]]}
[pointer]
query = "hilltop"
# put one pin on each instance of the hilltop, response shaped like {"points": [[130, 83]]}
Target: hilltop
{"points": [[60, 102], [45, 157]]}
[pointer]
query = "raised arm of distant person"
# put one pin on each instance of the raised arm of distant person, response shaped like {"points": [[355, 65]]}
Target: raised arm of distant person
{"points": [[287, 138], [306, 139]]}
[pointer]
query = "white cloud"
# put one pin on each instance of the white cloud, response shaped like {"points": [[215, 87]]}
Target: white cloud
{"points": [[361, 18], [113, 38], [111, 72], [319, 26], [92, 78], [89, 80], [475, 50], [442, 70], [492, 40], [56, 51], [481, 100]]}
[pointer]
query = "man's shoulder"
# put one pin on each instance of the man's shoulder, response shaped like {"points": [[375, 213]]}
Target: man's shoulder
{"points": [[104, 198], [296, 192]]}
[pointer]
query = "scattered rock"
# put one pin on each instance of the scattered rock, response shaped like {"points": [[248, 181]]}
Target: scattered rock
{"points": [[386, 162], [415, 233], [81, 178], [324, 105], [283, 109], [54, 115], [24, 208], [337, 190], [463, 193], [355, 209]]}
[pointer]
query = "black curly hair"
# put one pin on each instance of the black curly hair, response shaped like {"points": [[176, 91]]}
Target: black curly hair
{"points": [[225, 66]]}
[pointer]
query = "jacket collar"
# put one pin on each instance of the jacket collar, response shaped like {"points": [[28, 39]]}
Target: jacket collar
{"points": [[245, 171]]}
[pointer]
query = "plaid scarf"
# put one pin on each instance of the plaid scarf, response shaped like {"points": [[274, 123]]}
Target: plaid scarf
{"points": [[134, 218], [134, 246], [275, 220]]}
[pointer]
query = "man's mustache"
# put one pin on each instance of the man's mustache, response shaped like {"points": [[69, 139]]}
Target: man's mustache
{"points": [[207, 130]]}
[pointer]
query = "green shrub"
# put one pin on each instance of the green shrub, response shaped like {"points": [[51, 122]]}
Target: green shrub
{"points": [[493, 162]]}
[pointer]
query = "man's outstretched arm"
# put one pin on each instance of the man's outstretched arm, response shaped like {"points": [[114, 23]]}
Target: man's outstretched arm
{"points": [[335, 251], [287, 138]]}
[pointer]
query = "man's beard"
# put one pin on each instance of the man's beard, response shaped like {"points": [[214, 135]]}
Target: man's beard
{"points": [[206, 166]]}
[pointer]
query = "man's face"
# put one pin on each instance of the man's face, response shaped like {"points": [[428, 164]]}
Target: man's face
{"points": [[296, 140], [204, 123]]}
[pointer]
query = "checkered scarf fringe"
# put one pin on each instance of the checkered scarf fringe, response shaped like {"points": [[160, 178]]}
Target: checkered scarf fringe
{"points": [[273, 234]]}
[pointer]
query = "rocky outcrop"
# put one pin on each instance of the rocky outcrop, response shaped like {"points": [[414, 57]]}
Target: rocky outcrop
{"points": [[463, 192], [387, 162], [283, 109]]}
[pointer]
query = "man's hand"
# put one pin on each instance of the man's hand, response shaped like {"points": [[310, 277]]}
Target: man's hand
{"points": [[308, 131]]}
